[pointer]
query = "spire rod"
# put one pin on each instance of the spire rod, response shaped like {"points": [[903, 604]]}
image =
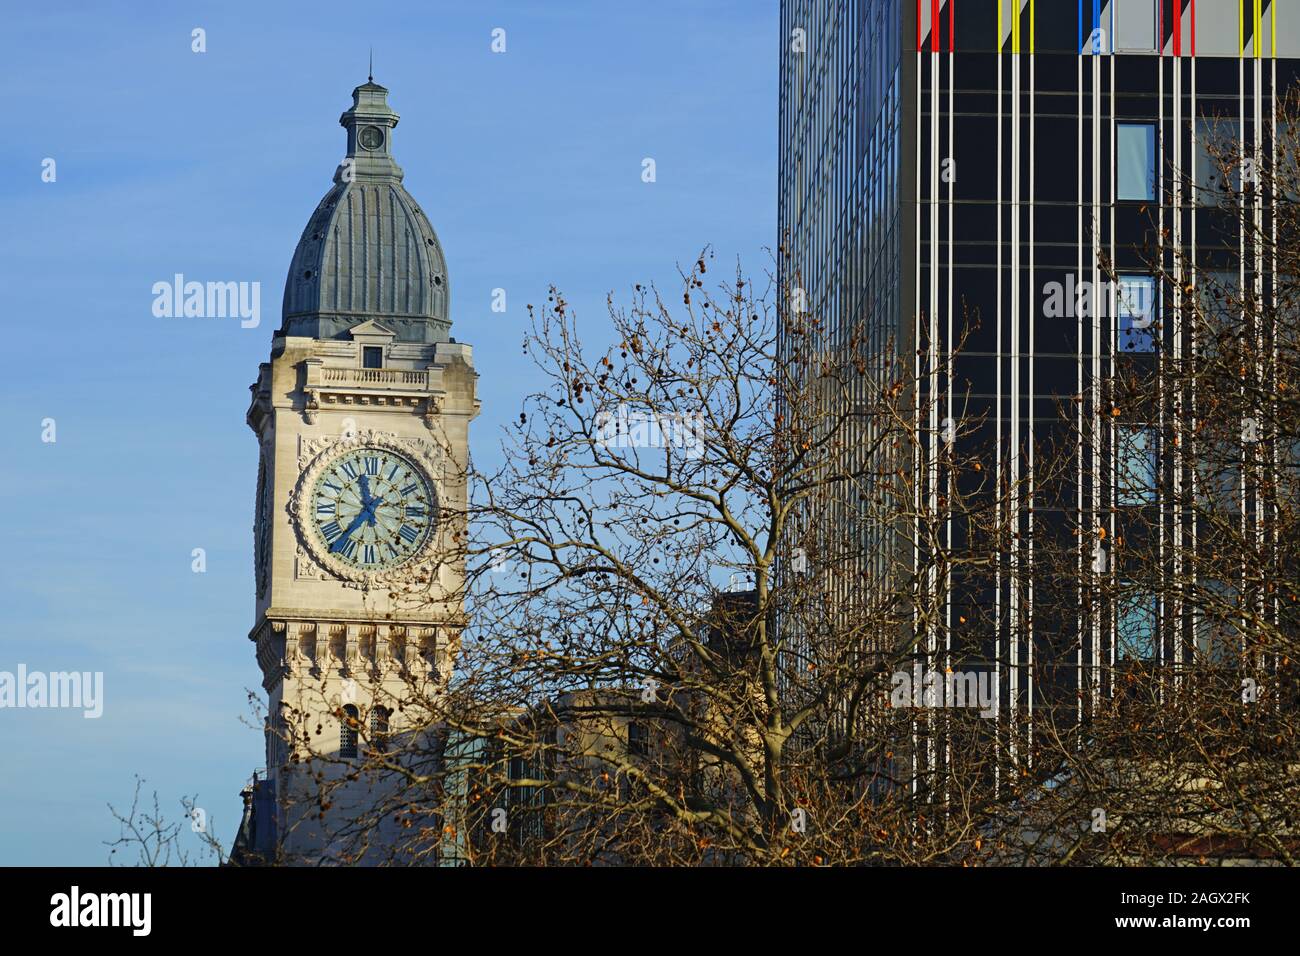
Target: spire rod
{"points": [[371, 77]]}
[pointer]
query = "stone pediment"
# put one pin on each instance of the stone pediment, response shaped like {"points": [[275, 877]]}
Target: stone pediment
{"points": [[371, 329]]}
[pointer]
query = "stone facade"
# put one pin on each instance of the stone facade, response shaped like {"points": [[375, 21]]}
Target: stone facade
{"points": [[363, 363]]}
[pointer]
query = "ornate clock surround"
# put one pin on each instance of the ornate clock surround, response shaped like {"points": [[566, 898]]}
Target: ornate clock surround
{"points": [[314, 455]]}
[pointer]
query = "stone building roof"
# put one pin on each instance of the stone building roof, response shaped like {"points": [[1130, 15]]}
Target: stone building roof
{"points": [[368, 252]]}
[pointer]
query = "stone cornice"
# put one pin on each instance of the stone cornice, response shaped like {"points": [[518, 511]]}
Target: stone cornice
{"points": [[321, 645], [404, 619]]}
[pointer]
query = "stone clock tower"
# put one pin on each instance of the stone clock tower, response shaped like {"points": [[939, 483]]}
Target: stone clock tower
{"points": [[362, 417]]}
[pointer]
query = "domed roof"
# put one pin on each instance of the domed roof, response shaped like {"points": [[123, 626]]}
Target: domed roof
{"points": [[369, 251]]}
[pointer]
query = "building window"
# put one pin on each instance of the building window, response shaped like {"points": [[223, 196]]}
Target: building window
{"points": [[1218, 144], [372, 356], [379, 728], [1137, 313], [1135, 161], [638, 739], [348, 727], [1215, 608], [1136, 627], [1221, 309], [1135, 26], [1135, 457]]}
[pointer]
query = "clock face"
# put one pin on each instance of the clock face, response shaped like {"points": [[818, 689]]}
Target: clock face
{"points": [[373, 509], [371, 137]]}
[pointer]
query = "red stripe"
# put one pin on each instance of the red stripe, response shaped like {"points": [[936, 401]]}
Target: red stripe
{"points": [[952, 30], [1160, 17], [1178, 27], [934, 26], [1193, 27], [918, 26]]}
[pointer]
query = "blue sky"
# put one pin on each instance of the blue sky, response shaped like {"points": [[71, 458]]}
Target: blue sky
{"points": [[529, 165]]}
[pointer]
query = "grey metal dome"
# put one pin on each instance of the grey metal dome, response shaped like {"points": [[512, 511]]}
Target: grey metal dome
{"points": [[369, 251]]}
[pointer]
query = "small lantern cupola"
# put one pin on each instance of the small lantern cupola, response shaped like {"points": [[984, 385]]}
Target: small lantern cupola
{"points": [[370, 125]]}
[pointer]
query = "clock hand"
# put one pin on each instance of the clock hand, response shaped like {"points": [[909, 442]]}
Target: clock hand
{"points": [[370, 509], [365, 491], [357, 522]]}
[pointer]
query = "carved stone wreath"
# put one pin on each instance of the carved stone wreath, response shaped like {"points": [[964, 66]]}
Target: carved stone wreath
{"points": [[313, 457]]}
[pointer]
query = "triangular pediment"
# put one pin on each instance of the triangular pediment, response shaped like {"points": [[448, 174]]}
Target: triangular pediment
{"points": [[370, 327]]}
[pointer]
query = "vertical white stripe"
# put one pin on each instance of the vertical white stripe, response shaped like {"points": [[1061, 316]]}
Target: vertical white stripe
{"points": [[1176, 317], [1032, 312], [1013, 397], [997, 577], [916, 378], [1157, 331], [1109, 340], [1078, 320], [952, 152]]}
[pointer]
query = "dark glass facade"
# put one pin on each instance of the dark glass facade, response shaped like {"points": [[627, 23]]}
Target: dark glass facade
{"points": [[951, 166]]}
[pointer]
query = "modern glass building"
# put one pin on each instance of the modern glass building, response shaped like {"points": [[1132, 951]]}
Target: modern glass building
{"points": [[951, 166]]}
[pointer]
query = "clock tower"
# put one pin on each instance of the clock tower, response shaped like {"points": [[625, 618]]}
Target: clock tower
{"points": [[362, 418]]}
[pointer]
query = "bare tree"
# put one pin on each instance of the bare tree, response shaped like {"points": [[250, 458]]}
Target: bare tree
{"points": [[694, 589], [149, 837]]}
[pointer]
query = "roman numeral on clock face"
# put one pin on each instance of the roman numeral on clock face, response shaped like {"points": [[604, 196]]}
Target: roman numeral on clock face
{"points": [[373, 508]]}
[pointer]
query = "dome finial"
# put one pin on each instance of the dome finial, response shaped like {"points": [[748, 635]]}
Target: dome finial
{"points": [[370, 124], [370, 78]]}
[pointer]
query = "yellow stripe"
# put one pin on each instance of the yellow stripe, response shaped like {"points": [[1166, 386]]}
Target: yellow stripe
{"points": [[1000, 4], [1015, 26], [1259, 48], [1273, 26], [1033, 23], [1241, 29]]}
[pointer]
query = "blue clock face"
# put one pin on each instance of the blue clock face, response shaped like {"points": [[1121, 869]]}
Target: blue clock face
{"points": [[373, 508]]}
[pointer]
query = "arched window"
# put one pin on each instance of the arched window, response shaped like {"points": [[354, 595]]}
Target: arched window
{"points": [[638, 738], [379, 728], [348, 731]]}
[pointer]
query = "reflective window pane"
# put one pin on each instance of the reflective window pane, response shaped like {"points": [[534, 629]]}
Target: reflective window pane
{"points": [[1137, 313], [1135, 161], [1217, 144], [1135, 466], [1136, 626], [1135, 26]]}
